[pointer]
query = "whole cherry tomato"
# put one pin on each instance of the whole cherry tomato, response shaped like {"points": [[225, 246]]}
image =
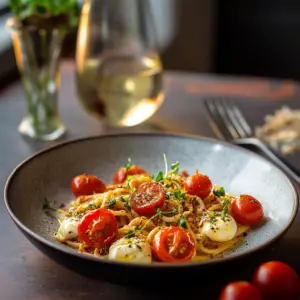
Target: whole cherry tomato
{"points": [[98, 228], [173, 244], [198, 185], [147, 198], [123, 172], [240, 290], [247, 210], [83, 185], [277, 281]]}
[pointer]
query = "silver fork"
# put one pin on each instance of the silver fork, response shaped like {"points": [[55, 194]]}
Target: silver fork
{"points": [[229, 124]]}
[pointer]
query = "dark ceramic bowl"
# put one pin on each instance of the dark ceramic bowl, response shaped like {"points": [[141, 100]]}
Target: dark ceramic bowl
{"points": [[49, 173]]}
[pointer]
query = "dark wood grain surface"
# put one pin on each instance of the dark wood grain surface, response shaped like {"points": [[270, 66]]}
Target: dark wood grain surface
{"points": [[25, 273]]}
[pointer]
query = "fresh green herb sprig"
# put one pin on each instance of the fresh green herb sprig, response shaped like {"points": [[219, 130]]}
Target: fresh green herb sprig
{"points": [[128, 165], [225, 208], [92, 205], [182, 222], [126, 203], [111, 203], [47, 205], [161, 175], [24, 9], [220, 192], [175, 167]]}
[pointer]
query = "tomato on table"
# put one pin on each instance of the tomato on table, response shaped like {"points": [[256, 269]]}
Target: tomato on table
{"points": [[198, 185], [83, 185], [276, 280], [147, 198], [173, 244], [240, 290], [247, 210], [97, 229], [123, 172]]}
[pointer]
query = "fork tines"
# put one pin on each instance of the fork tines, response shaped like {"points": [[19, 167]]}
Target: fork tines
{"points": [[226, 119]]}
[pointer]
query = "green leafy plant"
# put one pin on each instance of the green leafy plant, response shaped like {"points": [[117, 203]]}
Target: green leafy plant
{"points": [[25, 9]]}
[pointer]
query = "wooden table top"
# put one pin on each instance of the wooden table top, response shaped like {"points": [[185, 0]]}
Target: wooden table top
{"points": [[25, 273]]}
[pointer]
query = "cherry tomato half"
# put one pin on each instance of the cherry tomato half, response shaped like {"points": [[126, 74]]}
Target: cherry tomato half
{"points": [[198, 184], [276, 280], [247, 210], [83, 185], [98, 228], [240, 290], [173, 244], [123, 172], [147, 198]]}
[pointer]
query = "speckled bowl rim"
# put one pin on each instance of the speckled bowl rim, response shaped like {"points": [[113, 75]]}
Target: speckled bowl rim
{"points": [[68, 251]]}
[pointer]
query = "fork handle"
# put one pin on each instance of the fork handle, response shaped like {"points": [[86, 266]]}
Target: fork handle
{"points": [[276, 158]]}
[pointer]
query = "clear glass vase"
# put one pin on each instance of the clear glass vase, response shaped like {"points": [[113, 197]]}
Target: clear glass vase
{"points": [[119, 71], [37, 50]]}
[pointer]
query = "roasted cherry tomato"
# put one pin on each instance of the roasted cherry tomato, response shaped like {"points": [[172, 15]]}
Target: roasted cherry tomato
{"points": [[173, 244], [123, 172], [240, 290], [198, 185], [83, 185], [276, 280], [147, 198], [246, 210], [98, 228]]}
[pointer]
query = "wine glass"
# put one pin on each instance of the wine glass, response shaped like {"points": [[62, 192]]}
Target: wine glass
{"points": [[118, 68]]}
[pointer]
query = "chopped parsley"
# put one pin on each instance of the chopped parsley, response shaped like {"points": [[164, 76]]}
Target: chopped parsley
{"points": [[175, 167], [111, 203], [182, 222], [168, 185], [220, 192], [128, 165], [122, 199]]}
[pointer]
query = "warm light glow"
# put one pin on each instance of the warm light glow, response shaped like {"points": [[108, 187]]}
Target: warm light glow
{"points": [[143, 111], [83, 36], [129, 86]]}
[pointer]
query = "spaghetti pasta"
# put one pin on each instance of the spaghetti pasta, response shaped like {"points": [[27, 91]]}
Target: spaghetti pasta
{"points": [[156, 219]]}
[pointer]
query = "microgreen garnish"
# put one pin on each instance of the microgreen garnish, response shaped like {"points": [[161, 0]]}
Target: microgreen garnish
{"points": [[129, 178], [111, 203], [182, 222], [220, 192], [175, 167], [225, 208], [178, 195], [212, 217], [159, 176], [166, 165], [128, 165], [130, 234], [92, 205], [47, 205], [127, 205]]}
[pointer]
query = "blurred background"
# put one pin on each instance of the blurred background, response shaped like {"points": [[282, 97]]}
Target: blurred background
{"points": [[251, 37]]}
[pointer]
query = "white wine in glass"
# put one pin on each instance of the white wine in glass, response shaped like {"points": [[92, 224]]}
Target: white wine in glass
{"points": [[119, 73]]}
